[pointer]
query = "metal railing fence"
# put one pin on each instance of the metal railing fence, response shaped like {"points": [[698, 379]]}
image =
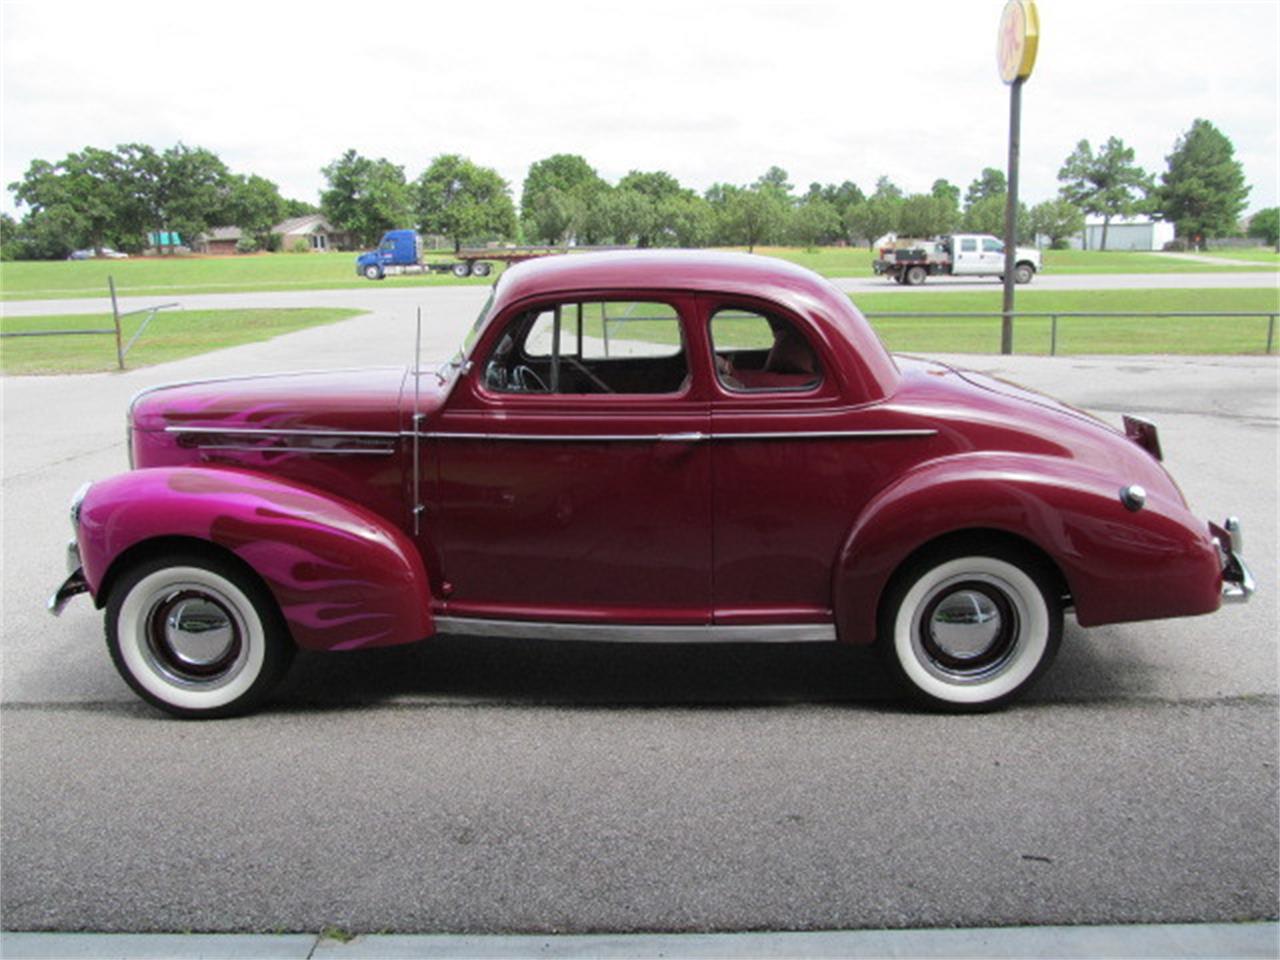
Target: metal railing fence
{"points": [[116, 329], [1055, 315]]}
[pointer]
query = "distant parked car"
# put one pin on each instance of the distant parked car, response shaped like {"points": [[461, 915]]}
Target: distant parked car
{"points": [[646, 447], [107, 254]]}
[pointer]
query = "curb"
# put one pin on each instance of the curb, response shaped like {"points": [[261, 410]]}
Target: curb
{"points": [[1137, 941]]}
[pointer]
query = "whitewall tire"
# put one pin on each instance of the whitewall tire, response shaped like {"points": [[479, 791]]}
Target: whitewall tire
{"points": [[970, 630], [196, 636]]}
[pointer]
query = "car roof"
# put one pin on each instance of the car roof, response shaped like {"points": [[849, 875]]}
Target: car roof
{"points": [[795, 288]]}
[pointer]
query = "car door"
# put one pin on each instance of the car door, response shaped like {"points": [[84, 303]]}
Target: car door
{"points": [[992, 256], [968, 256], [572, 477], [785, 485]]}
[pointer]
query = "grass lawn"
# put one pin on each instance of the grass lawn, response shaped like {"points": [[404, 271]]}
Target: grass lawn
{"points": [[173, 334], [856, 261], [64, 279], [1265, 255], [1078, 335]]}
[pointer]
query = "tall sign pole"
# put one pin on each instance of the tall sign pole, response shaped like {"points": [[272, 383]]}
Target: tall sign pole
{"points": [[1016, 44]]}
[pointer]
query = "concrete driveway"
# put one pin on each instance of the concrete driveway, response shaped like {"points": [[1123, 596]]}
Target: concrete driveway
{"points": [[488, 785]]}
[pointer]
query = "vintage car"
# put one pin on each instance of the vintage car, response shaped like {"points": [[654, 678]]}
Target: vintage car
{"points": [[639, 447]]}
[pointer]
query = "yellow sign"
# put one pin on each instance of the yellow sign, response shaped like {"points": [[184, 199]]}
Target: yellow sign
{"points": [[1017, 40]]}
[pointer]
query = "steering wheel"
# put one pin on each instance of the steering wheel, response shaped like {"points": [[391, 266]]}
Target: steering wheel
{"points": [[524, 377]]}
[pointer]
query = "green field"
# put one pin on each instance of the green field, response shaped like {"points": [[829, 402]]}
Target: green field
{"points": [[64, 279], [856, 261], [173, 334], [1077, 335], [172, 276]]}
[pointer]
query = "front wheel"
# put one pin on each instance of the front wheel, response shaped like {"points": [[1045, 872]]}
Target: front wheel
{"points": [[373, 272], [1023, 273], [462, 269], [969, 630], [197, 636]]}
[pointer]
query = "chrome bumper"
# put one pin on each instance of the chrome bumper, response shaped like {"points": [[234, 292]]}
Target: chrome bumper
{"points": [[1237, 582], [74, 584]]}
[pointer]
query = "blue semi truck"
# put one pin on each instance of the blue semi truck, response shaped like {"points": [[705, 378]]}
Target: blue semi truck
{"points": [[400, 251]]}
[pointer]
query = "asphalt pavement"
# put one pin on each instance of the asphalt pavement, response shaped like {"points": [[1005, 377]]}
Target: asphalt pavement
{"points": [[494, 786]]}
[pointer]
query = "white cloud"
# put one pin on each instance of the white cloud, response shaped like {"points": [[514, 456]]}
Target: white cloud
{"points": [[707, 91]]}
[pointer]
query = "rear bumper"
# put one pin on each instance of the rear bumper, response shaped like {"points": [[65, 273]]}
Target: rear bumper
{"points": [[1238, 584]]}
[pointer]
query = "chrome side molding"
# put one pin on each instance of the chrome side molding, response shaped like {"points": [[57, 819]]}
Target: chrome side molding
{"points": [[638, 633]]}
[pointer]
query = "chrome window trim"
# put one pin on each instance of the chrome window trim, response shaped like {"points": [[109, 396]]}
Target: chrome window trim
{"points": [[637, 633]]}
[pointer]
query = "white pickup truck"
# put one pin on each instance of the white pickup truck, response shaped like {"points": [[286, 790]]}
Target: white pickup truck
{"points": [[960, 255]]}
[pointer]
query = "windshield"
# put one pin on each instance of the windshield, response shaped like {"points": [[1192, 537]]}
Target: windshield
{"points": [[469, 341]]}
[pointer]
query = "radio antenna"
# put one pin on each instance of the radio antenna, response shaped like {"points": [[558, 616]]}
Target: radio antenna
{"points": [[415, 424]]}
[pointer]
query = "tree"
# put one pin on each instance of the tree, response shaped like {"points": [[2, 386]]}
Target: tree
{"points": [[1108, 184], [775, 179], [8, 238], [987, 216], [886, 189], [947, 195], [1203, 191], [297, 208], [1057, 220], [557, 196], [923, 215], [754, 216], [463, 201], [1265, 225], [815, 221], [990, 183], [255, 206], [689, 220], [365, 197], [872, 218], [642, 206], [84, 191]]}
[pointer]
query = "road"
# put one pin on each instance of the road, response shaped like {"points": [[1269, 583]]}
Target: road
{"points": [[390, 296], [487, 785]]}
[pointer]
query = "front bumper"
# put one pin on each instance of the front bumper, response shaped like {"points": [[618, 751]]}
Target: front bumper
{"points": [[73, 585], [1237, 582]]}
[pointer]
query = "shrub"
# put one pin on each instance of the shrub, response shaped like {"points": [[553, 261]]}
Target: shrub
{"points": [[246, 244], [1175, 246], [300, 245]]}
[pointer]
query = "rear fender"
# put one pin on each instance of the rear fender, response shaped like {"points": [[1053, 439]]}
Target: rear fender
{"points": [[1117, 565], [342, 576]]}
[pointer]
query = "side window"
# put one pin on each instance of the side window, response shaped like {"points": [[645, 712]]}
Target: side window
{"points": [[760, 351], [591, 347], [992, 246], [969, 245]]}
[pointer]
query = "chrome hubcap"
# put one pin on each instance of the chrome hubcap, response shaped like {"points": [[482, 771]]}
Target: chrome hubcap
{"points": [[967, 630], [199, 632], [194, 636], [965, 624]]}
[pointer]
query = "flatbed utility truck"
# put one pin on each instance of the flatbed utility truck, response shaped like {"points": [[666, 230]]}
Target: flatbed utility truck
{"points": [[400, 251], [958, 254]]}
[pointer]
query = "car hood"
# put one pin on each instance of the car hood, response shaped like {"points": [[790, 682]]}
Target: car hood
{"points": [[339, 401]]}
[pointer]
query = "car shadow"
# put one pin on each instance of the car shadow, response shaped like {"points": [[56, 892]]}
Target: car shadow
{"points": [[469, 670]]}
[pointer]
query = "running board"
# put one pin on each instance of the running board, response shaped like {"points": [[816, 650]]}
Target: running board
{"points": [[638, 633]]}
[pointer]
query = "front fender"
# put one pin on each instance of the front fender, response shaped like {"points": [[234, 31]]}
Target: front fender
{"points": [[1118, 565], [343, 577]]}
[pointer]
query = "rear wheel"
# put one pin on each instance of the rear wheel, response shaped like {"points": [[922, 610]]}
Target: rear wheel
{"points": [[480, 269], [916, 276], [462, 269], [967, 629], [196, 636]]}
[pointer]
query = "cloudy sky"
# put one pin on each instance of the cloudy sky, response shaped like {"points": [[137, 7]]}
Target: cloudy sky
{"points": [[708, 91]]}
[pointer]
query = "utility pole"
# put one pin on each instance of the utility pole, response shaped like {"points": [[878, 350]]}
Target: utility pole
{"points": [[1016, 43]]}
